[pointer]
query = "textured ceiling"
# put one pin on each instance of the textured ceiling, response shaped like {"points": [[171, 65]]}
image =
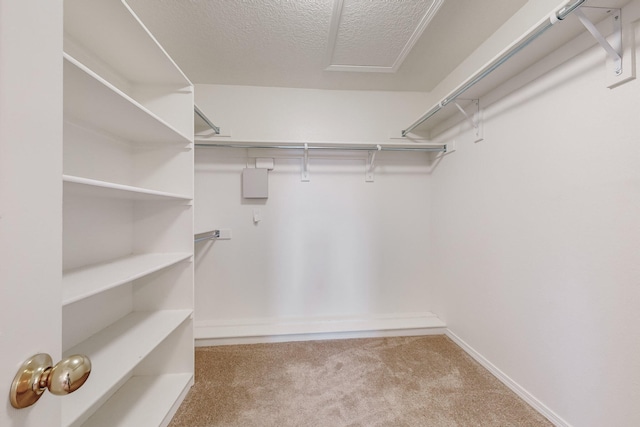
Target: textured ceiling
{"points": [[288, 43]]}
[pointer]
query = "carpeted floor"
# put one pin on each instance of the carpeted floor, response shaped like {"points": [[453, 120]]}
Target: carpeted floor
{"points": [[402, 381]]}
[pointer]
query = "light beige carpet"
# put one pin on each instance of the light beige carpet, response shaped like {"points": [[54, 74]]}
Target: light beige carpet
{"points": [[403, 381]]}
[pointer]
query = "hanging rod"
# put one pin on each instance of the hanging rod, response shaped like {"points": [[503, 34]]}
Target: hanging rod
{"points": [[560, 15], [437, 148], [207, 235], [215, 128]]}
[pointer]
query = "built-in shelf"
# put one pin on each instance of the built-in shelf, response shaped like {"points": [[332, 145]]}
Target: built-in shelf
{"points": [[141, 401], [94, 188], [93, 101], [115, 352], [127, 297], [85, 282], [91, 25]]}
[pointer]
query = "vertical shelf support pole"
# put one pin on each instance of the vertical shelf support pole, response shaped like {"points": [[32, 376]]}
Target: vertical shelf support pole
{"points": [[371, 157], [305, 164]]}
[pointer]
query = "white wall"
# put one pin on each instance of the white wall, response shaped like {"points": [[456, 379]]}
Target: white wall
{"points": [[333, 254], [286, 114], [536, 241]]}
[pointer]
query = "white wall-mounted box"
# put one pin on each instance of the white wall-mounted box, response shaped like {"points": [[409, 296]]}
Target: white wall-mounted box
{"points": [[264, 163], [255, 183]]}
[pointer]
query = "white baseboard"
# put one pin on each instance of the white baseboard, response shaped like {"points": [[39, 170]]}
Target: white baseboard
{"points": [[506, 380], [250, 331]]}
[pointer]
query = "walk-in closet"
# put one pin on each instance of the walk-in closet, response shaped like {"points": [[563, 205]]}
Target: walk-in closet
{"points": [[199, 190]]}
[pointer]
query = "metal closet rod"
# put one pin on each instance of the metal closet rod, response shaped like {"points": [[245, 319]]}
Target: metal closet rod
{"points": [[441, 148], [210, 235], [537, 32], [215, 128]]}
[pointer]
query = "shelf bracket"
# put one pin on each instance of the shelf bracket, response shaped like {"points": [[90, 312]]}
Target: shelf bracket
{"points": [[613, 49], [305, 164], [371, 157], [473, 119]]}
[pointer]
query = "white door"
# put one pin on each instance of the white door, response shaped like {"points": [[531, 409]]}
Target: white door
{"points": [[30, 197]]}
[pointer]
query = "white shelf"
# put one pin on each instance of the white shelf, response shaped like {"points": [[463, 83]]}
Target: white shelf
{"points": [[91, 100], [141, 401], [111, 31], [88, 281], [94, 188], [114, 352]]}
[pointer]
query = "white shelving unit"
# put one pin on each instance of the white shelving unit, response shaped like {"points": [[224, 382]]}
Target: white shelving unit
{"points": [[92, 280], [96, 188], [128, 218], [120, 343], [149, 391], [116, 113]]}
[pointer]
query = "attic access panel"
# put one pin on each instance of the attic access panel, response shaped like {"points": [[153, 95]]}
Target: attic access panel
{"points": [[376, 36]]}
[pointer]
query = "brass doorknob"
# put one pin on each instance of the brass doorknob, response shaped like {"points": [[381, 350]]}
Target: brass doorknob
{"points": [[37, 374]]}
